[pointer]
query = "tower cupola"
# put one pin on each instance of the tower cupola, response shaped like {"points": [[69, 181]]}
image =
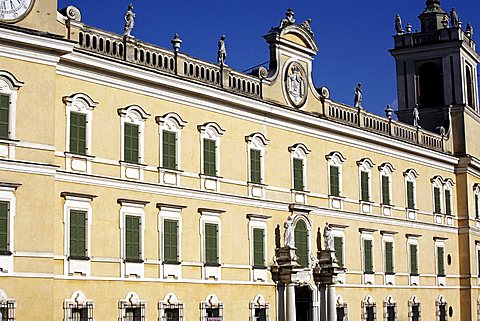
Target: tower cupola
{"points": [[433, 17]]}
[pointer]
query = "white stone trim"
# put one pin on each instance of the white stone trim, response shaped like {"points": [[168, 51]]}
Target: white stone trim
{"points": [[308, 224], [368, 278], [170, 301], [413, 279], [129, 269], [170, 213], [389, 302], [211, 302], [386, 169], [6, 261], [211, 131], [365, 165], [441, 302], [368, 302], [78, 300], [441, 280], [259, 303], [336, 159], [340, 232], [256, 141], [299, 151], [131, 301], [258, 222], [388, 279], [411, 175], [211, 217]]}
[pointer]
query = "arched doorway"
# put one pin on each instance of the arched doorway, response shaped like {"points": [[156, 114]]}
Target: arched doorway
{"points": [[430, 85], [303, 303]]}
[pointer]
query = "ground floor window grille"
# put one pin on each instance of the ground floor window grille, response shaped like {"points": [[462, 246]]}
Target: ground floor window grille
{"points": [[7, 310], [79, 312], [442, 312], [131, 308], [390, 309], [414, 312], [211, 309], [342, 312], [369, 310], [171, 312]]}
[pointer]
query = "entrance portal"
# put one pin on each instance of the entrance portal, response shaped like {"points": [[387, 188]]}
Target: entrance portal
{"points": [[303, 303]]}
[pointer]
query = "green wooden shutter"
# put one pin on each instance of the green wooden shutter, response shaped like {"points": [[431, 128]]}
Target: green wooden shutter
{"points": [[131, 143], [4, 116], [301, 243], [410, 195], [169, 149], [209, 157], [78, 233], [440, 260], [170, 241], [4, 237], [255, 166], [448, 202], [298, 174], [334, 181], [132, 238], [389, 257], [477, 213], [413, 259], [211, 243], [364, 178], [258, 247], [385, 190], [436, 196], [78, 130], [338, 245], [367, 256]]}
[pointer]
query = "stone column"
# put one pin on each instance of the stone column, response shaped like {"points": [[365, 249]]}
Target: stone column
{"points": [[331, 304], [282, 272], [290, 300], [281, 302], [323, 302]]}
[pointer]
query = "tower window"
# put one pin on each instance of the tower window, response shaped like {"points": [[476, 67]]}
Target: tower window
{"points": [[430, 85]]}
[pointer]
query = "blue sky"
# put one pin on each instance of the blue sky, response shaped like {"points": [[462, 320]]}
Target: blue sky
{"points": [[353, 36]]}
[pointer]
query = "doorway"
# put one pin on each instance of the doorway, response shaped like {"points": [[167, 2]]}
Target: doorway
{"points": [[303, 303]]}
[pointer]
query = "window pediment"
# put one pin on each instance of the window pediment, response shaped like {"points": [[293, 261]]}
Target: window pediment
{"points": [[134, 112], [9, 80]]}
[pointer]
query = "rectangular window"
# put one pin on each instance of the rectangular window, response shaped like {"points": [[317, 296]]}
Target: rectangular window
{"points": [[334, 181], [410, 195], [255, 166], [131, 143], [169, 149], [78, 133], [416, 312], [370, 313], [436, 196], [133, 314], [4, 222], [477, 207], [298, 174], [78, 234], [4, 116], [364, 182], [448, 202], [209, 157], [172, 315], [440, 261], [170, 241], [260, 314], [389, 268], [258, 247], [413, 259], [132, 238], [367, 256], [391, 313], [79, 314], [385, 190], [442, 312], [211, 243], [338, 245], [478, 261]]}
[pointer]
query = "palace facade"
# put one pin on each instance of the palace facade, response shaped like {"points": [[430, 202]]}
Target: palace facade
{"points": [[140, 183]]}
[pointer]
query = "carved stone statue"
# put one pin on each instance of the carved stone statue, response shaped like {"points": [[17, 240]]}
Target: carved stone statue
{"points": [[357, 101], [288, 237], [327, 236], [416, 117], [288, 20], [398, 25], [222, 51], [455, 22], [306, 26], [277, 237], [129, 21], [469, 30]]}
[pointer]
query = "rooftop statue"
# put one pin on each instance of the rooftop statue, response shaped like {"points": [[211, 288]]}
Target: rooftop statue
{"points": [[357, 101], [398, 25], [288, 236], [306, 26], [288, 20], [222, 51], [416, 117], [454, 18], [469, 30], [129, 21]]}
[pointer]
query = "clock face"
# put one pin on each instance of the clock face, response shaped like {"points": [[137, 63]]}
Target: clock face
{"points": [[14, 10]]}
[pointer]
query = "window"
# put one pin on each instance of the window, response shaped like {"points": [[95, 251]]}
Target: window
{"points": [[335, 160], [365, 165], [211, 309], [389, 263], [7, 218], [170, 241], [9, 85], [258, 247], [470, 86], [410, 195], [170, 126], [255, 166], [441, 305], [131, 308], [78, 234], [410, 185], [338, 245], [78, 128], [298, 174], [256, 143], [78, 308], [211, 243], [413, 250], [437, 200], [445, 185], [386, 171], [170, 220], [386, 190], [7, 307], [301, 243], [169, 149], [390, 309], [4, 227], [448, 188], [476, 200], [414, 309], [209, 157], [257, 227], [342, 309], [4, 116], [478, 259], [170, 309], [367, 256], [334, 180], [299, 154], [369, 309], [210, 134], [440, 254], [131, 143], [79, 108], [259, 309], [132, 238]]}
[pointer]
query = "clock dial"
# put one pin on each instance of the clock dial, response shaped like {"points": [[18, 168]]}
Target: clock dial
{"points": [[14, 10]]}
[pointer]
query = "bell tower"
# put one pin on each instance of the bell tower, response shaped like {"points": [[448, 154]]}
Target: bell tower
{"points": [[436, 68]]}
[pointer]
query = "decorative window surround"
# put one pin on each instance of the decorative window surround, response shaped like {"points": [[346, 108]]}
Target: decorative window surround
{"points": [[168, 306], [367, 235], [82, 104], [414, 309], [257, 221], [7, 307], [386, 170], [211, 131], [411, 176], [77, 202], [259, 309], [389, 308], [9, 86], [131, 308], [476, 203], [7, 194], [335, 159], [297, 218], [440, 266], [369, 307], [170, 122], [134, 115], [388, 237], [211, 307], [256, 141], [412, 244], [78, 307], [338, 231], [132, 208], [365, 165], [342, 308], [437, 184], [299, 151], [449, 204], [174, 213], [211, 271], [441, 308]]}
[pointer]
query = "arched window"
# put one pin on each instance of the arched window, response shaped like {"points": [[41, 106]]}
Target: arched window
{"points": [[301, 243], [430, 85], [470, 93]]}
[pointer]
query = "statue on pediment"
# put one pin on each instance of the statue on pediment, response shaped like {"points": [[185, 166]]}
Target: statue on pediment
{"points": [[454, 21], [288, 236], [288, 20], [357, 101], [129, 21], [306, 26], [222, 51]]}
